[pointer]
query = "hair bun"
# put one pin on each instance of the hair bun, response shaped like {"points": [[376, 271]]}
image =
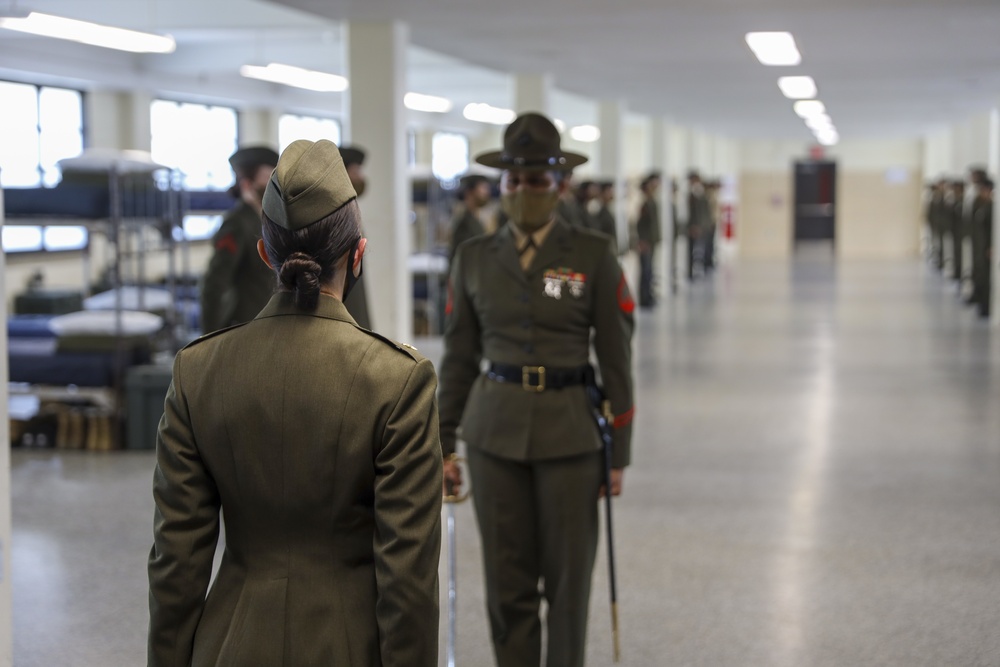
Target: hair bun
{"points": [[300, 273]]}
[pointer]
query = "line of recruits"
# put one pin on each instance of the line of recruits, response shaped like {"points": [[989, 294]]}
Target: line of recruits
{"points": [[959, 217], [700, 230]]}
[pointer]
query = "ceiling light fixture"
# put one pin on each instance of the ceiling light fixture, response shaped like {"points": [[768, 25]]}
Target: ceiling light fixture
{"points": [[809, 108], [85, 32], [428, 103], [819, 123], [828, 137], [774, 48], [298, 77], [585, 133], [797, 87], [484, 113]]}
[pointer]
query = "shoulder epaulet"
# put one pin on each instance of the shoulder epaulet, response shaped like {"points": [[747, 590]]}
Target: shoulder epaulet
{"points": [[405, 348], [202, 338]]}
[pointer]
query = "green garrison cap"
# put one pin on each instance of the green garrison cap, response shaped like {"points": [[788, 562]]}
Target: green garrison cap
{"points": [[309, 183]]}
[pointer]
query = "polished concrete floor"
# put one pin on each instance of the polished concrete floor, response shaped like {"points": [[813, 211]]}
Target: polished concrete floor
{"points": [[816, 483]]}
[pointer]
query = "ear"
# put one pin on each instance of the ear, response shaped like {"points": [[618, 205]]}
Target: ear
{"points": [[356, 265], [263, 253]]}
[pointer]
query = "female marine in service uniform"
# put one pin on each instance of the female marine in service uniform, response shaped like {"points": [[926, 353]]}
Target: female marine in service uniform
{"points": [[529, 299], [319, 442]]}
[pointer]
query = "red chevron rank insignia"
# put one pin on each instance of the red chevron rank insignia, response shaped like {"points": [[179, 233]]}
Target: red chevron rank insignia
{"points": [[625, 301]]}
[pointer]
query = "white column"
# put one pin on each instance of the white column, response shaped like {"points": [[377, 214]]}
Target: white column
{"points": [[533, 92], [117, 119], [137, 130], [377, 66], [660, 163], [611, 120], [259, 127], [6, 628], [994, 173]]}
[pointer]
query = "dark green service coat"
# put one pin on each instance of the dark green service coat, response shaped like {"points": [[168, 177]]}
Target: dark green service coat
{"points": [[237, 283], [319, 442], [605, 223], [505, 314], [464, 227]]}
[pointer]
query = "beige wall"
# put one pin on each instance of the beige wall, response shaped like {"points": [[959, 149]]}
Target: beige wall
{"points": [[879, 214], [764, 222], [878, 197]]}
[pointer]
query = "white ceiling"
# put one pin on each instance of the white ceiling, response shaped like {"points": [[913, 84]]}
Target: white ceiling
{"points": [[884, 67]]}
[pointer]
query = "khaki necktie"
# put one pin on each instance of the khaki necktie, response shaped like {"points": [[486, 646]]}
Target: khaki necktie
{"points": [[527, 252]]}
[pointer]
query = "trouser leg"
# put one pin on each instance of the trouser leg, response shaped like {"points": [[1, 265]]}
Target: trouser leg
{"points": [[566, 498], [709, 261], [504, 501], [645, 278], [957, 253]]}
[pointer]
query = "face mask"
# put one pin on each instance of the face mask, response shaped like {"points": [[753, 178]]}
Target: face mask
{"points": [[351, 280], [529, 210]]}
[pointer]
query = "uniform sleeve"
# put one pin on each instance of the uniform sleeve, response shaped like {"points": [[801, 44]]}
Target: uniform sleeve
{"points": [[408, 526], [613, 325], [185, 534], [463, 352], [221, 276]]}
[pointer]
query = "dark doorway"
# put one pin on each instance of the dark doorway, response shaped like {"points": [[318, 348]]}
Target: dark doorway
{"points": [[815, 200]]}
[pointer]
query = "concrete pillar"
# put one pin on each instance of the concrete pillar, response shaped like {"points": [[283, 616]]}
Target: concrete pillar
{"points": [[6, 623], [117, 119], [377, 122], [259, 127], [533, 92], [611, 120]]}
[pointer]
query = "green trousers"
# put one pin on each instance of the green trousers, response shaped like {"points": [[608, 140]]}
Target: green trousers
{"points": [[539, 526]]}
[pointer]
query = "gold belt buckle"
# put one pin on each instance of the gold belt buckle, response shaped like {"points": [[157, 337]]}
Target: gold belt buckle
{"points": [[526, 372]]}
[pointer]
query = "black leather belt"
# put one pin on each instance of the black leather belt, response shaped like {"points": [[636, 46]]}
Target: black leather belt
{"points": [[538, 378]]}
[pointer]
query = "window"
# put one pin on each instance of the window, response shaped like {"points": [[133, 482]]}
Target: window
{"points": [[292, 128], [39, 125], [196, 139], [449, 156]]}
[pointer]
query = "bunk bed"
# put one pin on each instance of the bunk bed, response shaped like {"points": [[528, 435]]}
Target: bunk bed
{"points": [[77, 362]]}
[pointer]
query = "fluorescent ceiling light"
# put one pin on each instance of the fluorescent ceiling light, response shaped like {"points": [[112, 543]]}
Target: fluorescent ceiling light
{"points": [[298, 77], [774, 48], [94, 34], [828, 137], [428, 103], [820, 122], [585, 133], [484, 113], [797, 87], [809, 108]]}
